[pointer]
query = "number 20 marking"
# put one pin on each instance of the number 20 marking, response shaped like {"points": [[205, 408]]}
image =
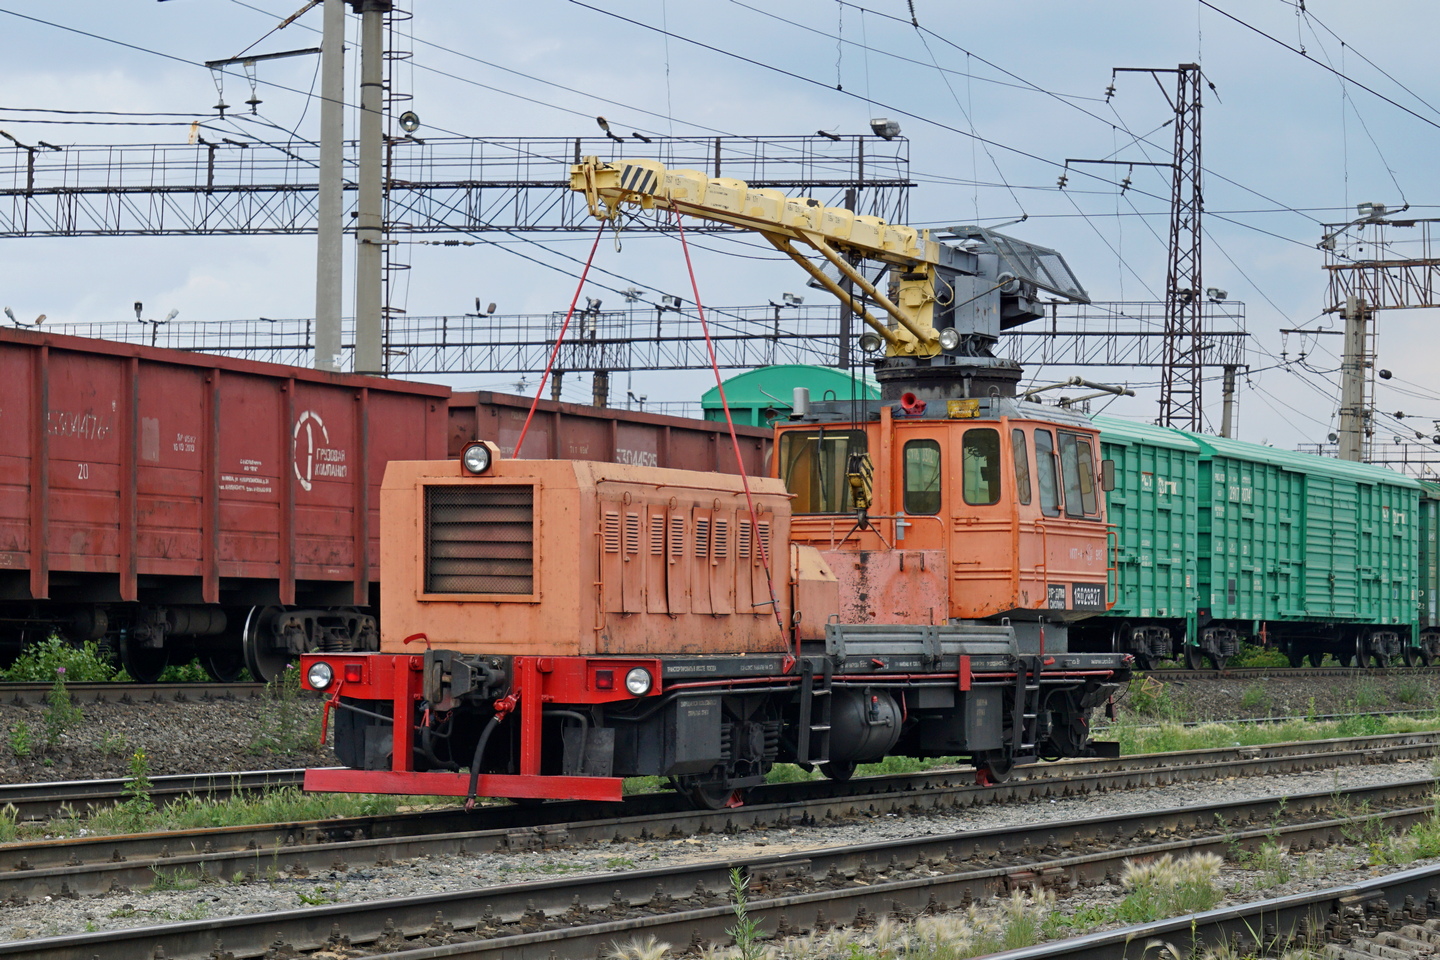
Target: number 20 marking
{"points": [[84, 471]]}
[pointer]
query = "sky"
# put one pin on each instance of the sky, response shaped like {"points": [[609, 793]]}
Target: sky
{"points": [[992, 99]]}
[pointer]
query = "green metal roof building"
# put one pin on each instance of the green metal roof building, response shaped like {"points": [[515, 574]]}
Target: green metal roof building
{"points": [[760, 397]]}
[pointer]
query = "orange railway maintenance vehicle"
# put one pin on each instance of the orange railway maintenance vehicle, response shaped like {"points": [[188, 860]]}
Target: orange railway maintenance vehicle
{"points": [[902, 583]]}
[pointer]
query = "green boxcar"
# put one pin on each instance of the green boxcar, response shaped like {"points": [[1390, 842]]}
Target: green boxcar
{"points": [[1219, 541], [1152, 516]]}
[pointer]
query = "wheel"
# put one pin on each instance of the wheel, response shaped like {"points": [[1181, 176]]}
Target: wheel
{"points": [[1296, 658], [838, 770], [992, 767], [224, 665], [1315, 659], [1367, 657], [1120, 639], [1219, 662], [144, 664], [1143, 662], [263, 659], [710, 794], [1413, 656], [1194, 657]]}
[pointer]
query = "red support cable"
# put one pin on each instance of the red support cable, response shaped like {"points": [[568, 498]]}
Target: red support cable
{"points": [[559, 339], [734, 440]]}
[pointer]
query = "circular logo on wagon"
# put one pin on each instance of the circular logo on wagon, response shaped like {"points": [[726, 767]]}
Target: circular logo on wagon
{"points": [[313, 456]]}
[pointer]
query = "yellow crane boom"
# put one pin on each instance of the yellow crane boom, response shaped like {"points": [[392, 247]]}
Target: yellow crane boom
{"points": [[834, 232]]}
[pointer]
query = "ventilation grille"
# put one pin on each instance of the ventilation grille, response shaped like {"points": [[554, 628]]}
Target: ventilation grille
{"points": [[480, 539]]}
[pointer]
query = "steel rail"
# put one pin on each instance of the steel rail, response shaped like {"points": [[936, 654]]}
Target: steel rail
{"points": [[905, 877], [38, 694]]}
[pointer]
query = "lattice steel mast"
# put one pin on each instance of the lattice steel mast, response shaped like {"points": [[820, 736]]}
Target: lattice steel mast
{"points": [[1180, 397]]}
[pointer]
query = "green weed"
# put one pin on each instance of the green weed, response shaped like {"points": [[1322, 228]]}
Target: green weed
{"points": [[173, 880], [284, 727], [284, 805], [1165, 887], [22, 739], [1368, 695], [317, 898], [61, 713], [1252, 657], [1360, 726], [43, 661], [1166, 737], [1273, 862], [893, 766], [190, 672], [746, 932], [1148, 697], [113, 744], [1255, 697], [1410, 690]]}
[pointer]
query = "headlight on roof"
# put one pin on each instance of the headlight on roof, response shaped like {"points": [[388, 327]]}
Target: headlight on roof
{"points": [[638, 681], [477, 457], [320, 675]]}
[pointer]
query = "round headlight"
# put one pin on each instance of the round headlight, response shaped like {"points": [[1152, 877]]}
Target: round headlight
{"points": [[638, 681], [476, 458], [319, 675], [949, 338]]}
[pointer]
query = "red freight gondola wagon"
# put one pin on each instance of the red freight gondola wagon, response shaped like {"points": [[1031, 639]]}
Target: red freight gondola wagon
{"points": [[180, 504]]}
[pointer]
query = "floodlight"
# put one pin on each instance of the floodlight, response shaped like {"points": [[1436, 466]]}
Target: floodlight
{"points": [[885, 127]]}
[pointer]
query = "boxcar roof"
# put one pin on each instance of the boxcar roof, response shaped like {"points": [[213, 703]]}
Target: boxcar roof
{"points": [[1302, 462], [1131, 431], [35, 339]]}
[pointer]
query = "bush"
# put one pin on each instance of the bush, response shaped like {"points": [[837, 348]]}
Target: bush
{"points": [[43, 662], [190, 672], [1252, 657]]}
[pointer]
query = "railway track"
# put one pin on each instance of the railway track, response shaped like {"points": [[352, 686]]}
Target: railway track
{"points": [[97, 865], [37, 694], [790, 891], [1390, 916], [1257, 673], [64, 798]]}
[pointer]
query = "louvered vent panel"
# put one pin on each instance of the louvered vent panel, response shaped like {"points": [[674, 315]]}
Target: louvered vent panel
{"points": [[612, 531], [744, 548], [722, 538], [702, 538], [480, 539], [632, 533], [764, 526], [657, 535], [677, 536]]}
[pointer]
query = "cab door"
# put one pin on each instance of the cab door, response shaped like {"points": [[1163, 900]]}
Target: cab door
{"points": [[983, 525]]}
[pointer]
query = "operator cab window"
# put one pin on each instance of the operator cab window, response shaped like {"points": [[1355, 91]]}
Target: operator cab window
{"points": [[1022, 465], [980, 466], [1077, 467], [1045, 473], [922, 477], [813, 466]]}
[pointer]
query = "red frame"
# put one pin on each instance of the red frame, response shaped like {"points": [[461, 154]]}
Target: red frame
{"points": [[536, 682]]}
